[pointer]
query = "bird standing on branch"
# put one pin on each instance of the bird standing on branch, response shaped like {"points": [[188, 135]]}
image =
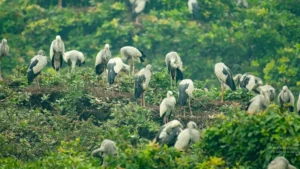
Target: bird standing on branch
{"points": [[141, 83], [57, 50], [4, 50], [167, 106], [174, 65], [37, 63], [224, 75], [130, 52]]}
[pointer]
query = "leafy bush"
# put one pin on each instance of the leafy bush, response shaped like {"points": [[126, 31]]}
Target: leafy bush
{"points": [[254, 140]]}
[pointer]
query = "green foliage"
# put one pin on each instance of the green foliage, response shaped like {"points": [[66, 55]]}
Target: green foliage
{"points": [[254, 140], [244, 39]]}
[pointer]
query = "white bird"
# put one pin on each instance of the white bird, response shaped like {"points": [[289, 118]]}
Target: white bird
{"points": [[249, 82], [259, 103], [37, 63], [141, 83], [194, 8], [242, 3], [130, 52], [4, 50], [168, 133], [107, 148], [224, 75], [298, 105], [185, 89], [73, 58], [187, 137], [286, 97], [57, 50], [101, 60], [174, 65], [280, 163], [139, 6], [271, 91], [114, 66], [167, 106]]}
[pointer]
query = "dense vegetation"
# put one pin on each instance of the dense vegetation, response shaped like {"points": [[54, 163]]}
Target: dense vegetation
{"points": [[59, 125]]}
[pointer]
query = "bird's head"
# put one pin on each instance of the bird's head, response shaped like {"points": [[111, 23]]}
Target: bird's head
{"points": [[192, 125], [58, 37], [149, 67], [285, 88], [169, 94], [106, 46], [174, 123], [4, 41], [41, 52]]}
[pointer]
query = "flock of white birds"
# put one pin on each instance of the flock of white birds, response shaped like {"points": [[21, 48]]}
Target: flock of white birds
{"points": [[171, 133]]}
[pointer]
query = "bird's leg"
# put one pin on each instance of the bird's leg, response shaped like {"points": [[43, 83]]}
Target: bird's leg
{"points": [[171, 79], [175, 80], [222, 97], [184, 114], [132, 68], [1, 79], [119, 85], [144, 99], [141, 101], [190, 106]]}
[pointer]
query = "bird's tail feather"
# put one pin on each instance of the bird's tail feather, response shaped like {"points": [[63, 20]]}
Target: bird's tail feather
{"points": [[143, 57], [179, 75], [230, 83]]}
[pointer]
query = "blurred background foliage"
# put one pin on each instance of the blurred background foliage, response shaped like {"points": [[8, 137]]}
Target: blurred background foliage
{"points": [[262, 39]]}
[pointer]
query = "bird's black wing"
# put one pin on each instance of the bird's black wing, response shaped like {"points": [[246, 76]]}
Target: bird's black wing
{"points": [[157, 139], [179, 74], [52, 62], [143, 57], [30, 74], [111, 73], [245, 82], [138, 89], [100, 68], [183, 96], [172, 137], [196, 10], [229, 79]]}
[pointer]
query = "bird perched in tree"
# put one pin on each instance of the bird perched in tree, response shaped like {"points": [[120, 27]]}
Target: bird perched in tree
{"points": [[242, 3], [57, 50], [185, 89], [167, 106], [168, 133], [138, 8], [130, 52], [114, 66], [194, 8], [174, 65], [101, 60], [249, 82], [224, 75], [73, 58], [4, 50], [187, 137], [286, 97], [298, 105], [280, 163], [141, 83], [107, 148], [271, 91], [37, 63], [259, 103]]}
